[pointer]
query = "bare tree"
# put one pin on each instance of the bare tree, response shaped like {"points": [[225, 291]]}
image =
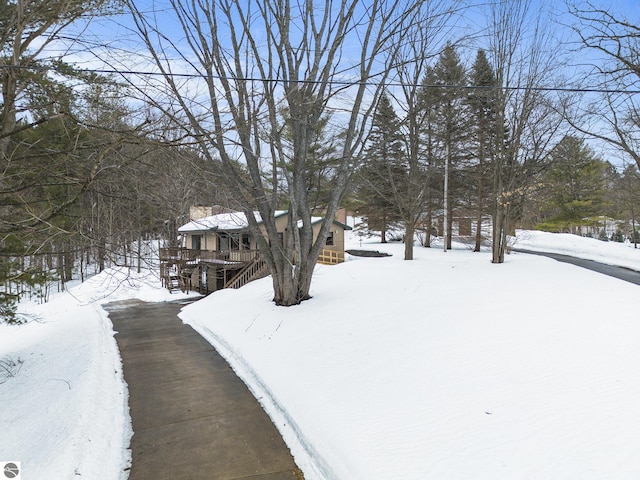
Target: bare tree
{"points": [[627, 195], [250, 62], [523, 54], [613, 115], [417, 49]]}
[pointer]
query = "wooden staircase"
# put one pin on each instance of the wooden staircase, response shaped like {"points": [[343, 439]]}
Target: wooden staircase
{"points": [[177, 265], [252, 271]]}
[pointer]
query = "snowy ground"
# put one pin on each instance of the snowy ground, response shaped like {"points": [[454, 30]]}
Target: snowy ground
{"points": [[610, 253], [64, 404], [447, 367]]}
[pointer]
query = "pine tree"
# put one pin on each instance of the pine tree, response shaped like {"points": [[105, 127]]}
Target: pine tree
{"points": [[382, 177], [575, 186], [451, 126], [482, 101], [34, 186], [431, 161]]}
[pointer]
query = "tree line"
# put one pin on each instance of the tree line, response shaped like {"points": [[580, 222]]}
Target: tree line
{"points": [[82, 186], [264, 105], [568, 189]]}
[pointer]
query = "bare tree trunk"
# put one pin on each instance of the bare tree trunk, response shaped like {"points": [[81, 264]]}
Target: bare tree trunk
{"points": [[408, 241], [139, 252], [480, 181], [429, 223], [499, 235], [633, 228], [383, 230], [498, 216]]}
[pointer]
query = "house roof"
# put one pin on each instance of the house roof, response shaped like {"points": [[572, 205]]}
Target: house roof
{"points": [[235, 221], [223, 221], [315, 220]]}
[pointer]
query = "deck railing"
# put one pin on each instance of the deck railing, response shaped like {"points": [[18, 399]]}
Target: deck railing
{"points": [[186, 255], [173, 255], [330, 257], [179, 262]]}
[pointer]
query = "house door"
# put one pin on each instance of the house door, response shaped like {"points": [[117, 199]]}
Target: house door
{"points": [[223, 244], [246, 241]]}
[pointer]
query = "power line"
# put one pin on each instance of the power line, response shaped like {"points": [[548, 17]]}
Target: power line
{"points": [[342, 83]]}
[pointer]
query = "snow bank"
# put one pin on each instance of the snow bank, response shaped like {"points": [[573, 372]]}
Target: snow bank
{"points": [[611, 253], [65, 411]]}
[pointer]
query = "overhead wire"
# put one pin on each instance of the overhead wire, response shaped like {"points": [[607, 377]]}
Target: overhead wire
{"points": [[342, 83]]}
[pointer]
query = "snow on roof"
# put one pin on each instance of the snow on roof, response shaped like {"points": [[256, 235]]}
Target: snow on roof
{"points": [[222, 221], [236, 221], [314, 220]]}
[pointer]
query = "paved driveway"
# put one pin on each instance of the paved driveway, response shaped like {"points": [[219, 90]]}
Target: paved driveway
{"points": [[193, 418], [611, 270]]}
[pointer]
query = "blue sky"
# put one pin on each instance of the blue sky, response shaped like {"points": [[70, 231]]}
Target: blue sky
{"points": [[117, 33]]}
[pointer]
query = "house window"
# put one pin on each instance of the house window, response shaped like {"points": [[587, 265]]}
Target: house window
{"points": [[246, 241], [196, 242], [329, 241]]}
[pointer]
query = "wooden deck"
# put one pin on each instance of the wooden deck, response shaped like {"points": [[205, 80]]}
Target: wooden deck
{"points": [[182, 268], [186, 255]]}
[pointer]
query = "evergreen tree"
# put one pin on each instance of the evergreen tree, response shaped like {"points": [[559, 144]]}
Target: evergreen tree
{"points": [[83, 187], [39, 173], [430, 152], [482, 101], [451, 127], [382, 178], [575, 186]]}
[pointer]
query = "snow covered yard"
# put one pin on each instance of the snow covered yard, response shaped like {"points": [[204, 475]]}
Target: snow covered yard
{"points": [[447, 367], [64, 404]]}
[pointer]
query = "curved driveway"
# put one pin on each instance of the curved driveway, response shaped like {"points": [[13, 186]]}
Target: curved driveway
{"points": [[193, 418], [618, 272]]}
